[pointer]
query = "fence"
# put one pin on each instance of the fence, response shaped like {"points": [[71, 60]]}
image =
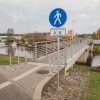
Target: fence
{"points": [[66, 54], [41, 49], [10, 58]]}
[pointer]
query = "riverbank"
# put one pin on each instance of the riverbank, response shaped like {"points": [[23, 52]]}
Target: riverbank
{"points": [[80, 84], [5, 60], [96, 50], [93, 92]]}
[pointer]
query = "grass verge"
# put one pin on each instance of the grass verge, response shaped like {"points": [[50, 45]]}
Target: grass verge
{"points": [[4, 60], [93, 84]]}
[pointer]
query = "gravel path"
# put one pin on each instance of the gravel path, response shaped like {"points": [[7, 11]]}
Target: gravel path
{"points": [[72, 87]]}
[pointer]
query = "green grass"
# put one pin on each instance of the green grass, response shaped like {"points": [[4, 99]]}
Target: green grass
{"points": [[82, 67], [4, 60], [97, 49], [93, 85]]}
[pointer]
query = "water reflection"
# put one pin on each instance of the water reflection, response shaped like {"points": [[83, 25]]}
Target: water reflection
{"points": [[96, 61], [15, 51], [11, 51]]}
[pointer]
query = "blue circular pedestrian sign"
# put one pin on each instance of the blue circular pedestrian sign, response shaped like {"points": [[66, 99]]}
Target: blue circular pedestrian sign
{"points": [[57, 17]]}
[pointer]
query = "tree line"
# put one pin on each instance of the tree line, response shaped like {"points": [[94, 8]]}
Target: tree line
{"points": [[96, 35]]}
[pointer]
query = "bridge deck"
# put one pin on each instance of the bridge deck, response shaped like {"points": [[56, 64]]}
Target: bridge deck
{"points": [[17, 82]]}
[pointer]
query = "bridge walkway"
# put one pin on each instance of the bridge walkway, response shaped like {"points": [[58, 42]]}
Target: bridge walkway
{"points": [[18, 82]]}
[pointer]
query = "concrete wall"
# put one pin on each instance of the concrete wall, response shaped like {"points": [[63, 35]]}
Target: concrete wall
{"points": [[83, 58], [86, 57]]}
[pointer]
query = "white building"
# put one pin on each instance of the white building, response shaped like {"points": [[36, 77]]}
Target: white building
{"points": [[3, 37]]}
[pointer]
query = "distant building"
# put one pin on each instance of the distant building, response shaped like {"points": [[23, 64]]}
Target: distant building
{"points": [[3, 37]]}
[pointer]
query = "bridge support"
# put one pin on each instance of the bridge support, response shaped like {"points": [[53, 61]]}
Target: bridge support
{"points": [[86, 57], [83, 58]]}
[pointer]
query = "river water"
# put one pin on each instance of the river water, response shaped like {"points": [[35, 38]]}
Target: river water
{"points": [[21, 51], [95, 61]]}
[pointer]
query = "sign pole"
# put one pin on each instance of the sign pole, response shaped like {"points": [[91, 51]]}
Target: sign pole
{"points": [[57, 19], [58, 46]]}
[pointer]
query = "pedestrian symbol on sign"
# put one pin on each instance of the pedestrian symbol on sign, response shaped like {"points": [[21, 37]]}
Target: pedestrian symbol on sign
{"points": [[57, 16]]}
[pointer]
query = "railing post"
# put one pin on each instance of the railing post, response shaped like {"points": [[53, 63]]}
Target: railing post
{"points": [[36, 51], [54, 65], [46, 49], [64, 57], [71, 50], [65, 63], [10, 55], [58, 60], [31, 56], [25, 55], [10, 59], [81, 45], [66, 54], [77, 47], [18, 57], [65, 71], [50, 73]]}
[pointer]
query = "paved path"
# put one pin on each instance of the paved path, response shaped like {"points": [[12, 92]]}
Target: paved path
{"points": [[17, 82]]}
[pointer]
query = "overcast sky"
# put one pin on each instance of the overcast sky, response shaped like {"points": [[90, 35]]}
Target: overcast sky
{"points": [[33, 15]]}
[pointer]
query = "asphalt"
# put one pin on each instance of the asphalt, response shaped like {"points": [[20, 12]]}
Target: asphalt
{"points": [[16, 70], [12, 92], [3, 79], [23, 77]]}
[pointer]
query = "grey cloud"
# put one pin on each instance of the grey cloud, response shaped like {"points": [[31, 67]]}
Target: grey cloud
{"points": [[32, 15]]}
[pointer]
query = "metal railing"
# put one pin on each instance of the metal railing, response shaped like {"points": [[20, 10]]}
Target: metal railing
{"points": [[66, 54], [41, 49], [11, 57]]}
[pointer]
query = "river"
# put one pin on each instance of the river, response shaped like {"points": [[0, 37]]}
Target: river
{"points": [[21, 51], [95, 61]]}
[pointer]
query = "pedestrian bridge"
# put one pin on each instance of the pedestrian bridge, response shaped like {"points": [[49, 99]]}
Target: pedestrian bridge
{"points": [[68, 55], [26, 81], [96, 42]]}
